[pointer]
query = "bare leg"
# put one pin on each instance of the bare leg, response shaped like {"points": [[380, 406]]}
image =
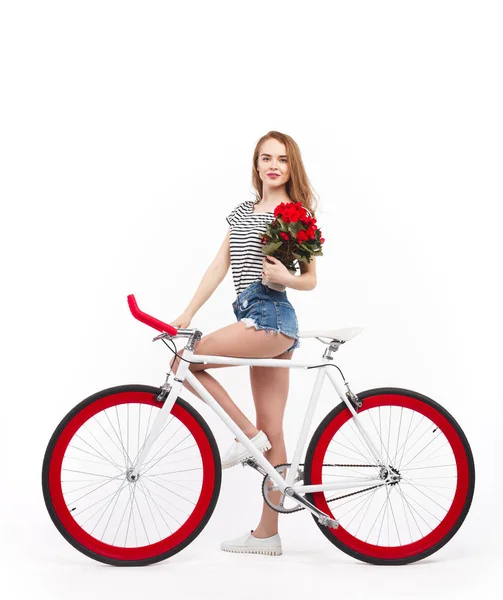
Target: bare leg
{"points": [[270, 392], [234, 340]]}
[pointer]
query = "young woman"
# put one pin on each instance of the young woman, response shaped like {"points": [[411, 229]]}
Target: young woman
{"points": [[266, 324]]}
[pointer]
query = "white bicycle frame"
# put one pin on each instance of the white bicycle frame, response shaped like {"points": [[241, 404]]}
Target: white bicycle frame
{"points": [[183, 373]]}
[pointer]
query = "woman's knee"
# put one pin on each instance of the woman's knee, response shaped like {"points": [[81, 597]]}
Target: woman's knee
{"points": [[175, 363], [273, 431], [193, 367]]}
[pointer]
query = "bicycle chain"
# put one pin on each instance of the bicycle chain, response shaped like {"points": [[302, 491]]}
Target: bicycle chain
{"points": [[293, 510]]}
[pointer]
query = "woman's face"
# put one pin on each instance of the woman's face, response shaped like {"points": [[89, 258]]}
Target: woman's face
{"points": [[272, 158]]}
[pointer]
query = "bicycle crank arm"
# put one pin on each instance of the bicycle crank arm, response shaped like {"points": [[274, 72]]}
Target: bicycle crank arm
{"points": [[251, 462], [323, 518]]}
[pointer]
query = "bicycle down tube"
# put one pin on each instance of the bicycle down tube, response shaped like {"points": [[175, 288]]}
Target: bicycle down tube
{"points": [[184, 373]]}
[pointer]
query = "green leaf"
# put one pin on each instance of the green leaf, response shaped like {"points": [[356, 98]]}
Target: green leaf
{"points": [[294, 228], [269, 249]]}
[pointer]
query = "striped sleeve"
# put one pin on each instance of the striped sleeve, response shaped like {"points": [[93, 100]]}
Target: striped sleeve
{"points": [[235, 212], [230, 217]]}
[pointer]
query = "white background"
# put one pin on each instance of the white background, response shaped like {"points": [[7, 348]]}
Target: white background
{"points": [[127, 132]]}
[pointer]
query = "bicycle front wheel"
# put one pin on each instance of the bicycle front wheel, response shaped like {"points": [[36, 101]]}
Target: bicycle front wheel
{"points": [[429, 455], [85, 477]]}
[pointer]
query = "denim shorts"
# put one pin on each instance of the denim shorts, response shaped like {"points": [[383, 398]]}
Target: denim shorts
{"points": [[264, 308]]}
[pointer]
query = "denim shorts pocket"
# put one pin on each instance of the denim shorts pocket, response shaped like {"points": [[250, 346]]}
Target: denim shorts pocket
{"points": [[248, 302], [287, 317]]}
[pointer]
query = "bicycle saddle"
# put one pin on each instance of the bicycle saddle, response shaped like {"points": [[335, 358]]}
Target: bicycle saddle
{"points": [[343, 335]]}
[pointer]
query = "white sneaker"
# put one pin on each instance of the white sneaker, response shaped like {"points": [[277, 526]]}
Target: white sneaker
{"points": [[238, 452], [247, 543]]}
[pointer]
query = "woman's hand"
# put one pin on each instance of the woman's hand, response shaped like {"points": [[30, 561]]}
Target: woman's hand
{"points": [[275, 272], [183, 321]]}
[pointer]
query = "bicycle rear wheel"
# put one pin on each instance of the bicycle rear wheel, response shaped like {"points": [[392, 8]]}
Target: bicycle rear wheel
{"points": [[90, 498], [392, 523]]}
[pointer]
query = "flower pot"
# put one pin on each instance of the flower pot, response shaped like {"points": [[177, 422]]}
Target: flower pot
{"points": [[276, 286]]}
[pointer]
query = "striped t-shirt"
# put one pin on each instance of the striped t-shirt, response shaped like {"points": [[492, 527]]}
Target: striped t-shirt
{"points": [[246, 248]]}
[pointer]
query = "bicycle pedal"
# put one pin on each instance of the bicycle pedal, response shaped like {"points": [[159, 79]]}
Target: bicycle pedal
{"points": [[328, 522]]}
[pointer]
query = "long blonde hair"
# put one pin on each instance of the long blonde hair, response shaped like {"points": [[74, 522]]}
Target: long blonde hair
{"points": [[298, 186]]}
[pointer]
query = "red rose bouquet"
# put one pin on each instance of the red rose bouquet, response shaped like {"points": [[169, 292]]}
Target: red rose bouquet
{"points": [[293, 235]]}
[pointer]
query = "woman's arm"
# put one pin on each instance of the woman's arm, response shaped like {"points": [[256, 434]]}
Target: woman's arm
{"points": [[212, 278], [307, 279]]}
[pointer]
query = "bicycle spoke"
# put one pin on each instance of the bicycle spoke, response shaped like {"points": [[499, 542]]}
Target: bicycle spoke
{"points": [[174, 493], [147, 499], [155, 504], [364, 451], [153, 493], [396, 526], [426, 495], [152, 458], [131, 496], [360, 501], [361, 456], [378, 433], [72, 491], [91, 453], [420, 451], [127, 460], [102, 447], [411, 508], [113, 494], [114, 497], [87, 473], [398, 433], [368, 503], [404, 480], [376, 519], [111, 461], [95, 490], [76, 514], [164, 455], [142, 522], [122, 518], [120, 435], [147, 432], [430, 467], [121, 450], [427, 429], [112, 511]]}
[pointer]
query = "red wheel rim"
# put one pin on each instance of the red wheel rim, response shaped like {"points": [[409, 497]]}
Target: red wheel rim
{"points": [[460, 495], [94, 545]]}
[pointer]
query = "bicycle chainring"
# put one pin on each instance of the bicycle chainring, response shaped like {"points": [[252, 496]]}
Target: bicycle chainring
{"points": [[268, 487]]}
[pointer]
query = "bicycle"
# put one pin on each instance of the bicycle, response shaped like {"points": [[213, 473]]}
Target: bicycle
{"points": [[404, 463]]}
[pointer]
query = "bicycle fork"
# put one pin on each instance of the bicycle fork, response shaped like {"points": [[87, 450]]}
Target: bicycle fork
{"points": [[168, 395]]}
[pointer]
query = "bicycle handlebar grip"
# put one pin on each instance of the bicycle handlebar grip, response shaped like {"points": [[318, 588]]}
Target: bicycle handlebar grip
{"points": [[147, 319]]}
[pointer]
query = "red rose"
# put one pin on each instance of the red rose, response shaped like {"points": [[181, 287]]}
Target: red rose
{"points": [[302, 236]]}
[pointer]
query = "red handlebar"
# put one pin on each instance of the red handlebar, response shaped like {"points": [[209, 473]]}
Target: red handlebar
{"points": [[147, 319]]}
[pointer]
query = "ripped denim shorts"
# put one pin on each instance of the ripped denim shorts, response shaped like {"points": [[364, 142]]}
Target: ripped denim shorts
{"points": [[261, 307]]}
